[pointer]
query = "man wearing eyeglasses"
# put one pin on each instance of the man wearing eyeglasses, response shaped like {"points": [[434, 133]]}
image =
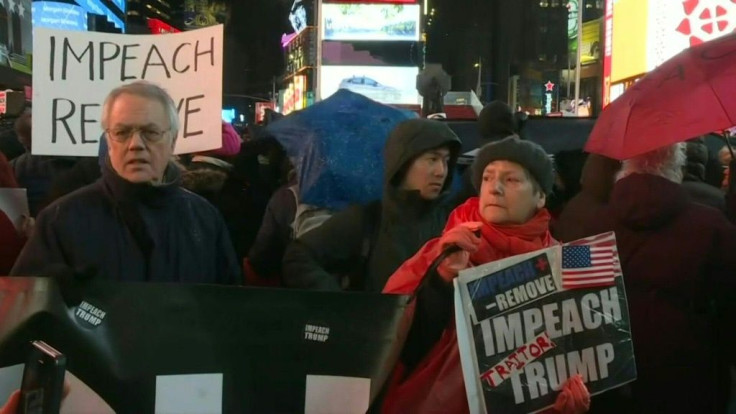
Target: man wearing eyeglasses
{"points": [[135, 223]]}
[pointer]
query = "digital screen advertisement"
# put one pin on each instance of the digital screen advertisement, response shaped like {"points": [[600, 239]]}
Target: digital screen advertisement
{"points": [[300, 15], [591, 45], [367, 53], [642, 34], [56, 15], [370, 22], [97, 7], [16, 40], [389, 85]]}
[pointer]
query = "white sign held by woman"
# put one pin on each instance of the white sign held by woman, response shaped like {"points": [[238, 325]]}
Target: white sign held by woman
{"points": [[74, 71]]}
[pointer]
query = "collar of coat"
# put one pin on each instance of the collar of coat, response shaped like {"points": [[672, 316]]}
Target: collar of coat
{"points": [[124, 191]]}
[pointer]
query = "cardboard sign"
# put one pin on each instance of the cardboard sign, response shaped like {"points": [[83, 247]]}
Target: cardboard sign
{"points": [[74, 71], [522, 334]]}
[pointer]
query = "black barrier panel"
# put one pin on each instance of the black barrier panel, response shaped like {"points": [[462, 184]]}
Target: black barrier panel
{"points": [[264, 341]]}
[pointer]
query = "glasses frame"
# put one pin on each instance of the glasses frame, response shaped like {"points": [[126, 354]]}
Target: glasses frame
{"points": [[140, 132]]}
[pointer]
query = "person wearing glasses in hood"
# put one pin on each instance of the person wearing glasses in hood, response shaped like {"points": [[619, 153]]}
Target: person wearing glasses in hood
{"points": [[135, 223]]}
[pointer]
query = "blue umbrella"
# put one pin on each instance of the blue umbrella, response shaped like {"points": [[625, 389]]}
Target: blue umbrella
{"points": [[336, 146]]}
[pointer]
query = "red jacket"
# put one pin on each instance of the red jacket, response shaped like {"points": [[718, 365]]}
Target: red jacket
{"points": [[11, 243], [7, 178], [436, 384]]}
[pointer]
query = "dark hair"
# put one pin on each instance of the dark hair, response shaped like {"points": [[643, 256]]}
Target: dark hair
{"points": [[398, 178]]}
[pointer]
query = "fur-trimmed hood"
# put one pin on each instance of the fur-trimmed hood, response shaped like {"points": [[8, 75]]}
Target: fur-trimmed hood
{"points": [[203, 181]]}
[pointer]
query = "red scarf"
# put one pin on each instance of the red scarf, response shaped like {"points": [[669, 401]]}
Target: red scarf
{"points": [[436, 384], [502, 241], [498, 242]]}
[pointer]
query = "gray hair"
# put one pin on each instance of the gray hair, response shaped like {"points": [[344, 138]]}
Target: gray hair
{"points": [[145, 90], [666, 162]]}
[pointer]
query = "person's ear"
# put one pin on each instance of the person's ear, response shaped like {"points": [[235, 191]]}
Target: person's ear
{"points": [[541, 200]]}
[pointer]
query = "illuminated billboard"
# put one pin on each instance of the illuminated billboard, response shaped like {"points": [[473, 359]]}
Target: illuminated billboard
{"points": [[56, 15], [389, 85], [591, 45], [370, 22], [97, 7], [642, 34], [295, 96]]}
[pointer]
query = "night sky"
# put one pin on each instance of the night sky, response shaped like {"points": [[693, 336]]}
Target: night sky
{"points": [[253, 53], [253, 45]]}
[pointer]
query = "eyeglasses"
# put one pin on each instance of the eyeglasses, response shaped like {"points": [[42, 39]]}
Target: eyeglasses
{"points": [[148, 134]]}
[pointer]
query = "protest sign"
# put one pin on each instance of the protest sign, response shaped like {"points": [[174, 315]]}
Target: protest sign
{"points": [[527, 323], [74, 71]]}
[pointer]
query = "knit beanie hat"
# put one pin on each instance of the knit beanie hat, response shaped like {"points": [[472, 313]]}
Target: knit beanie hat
{"points": [[525, 153], [230, 143]]}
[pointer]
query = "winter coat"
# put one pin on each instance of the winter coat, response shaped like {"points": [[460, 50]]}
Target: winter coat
{"points": [[36, 173], [11, 244], [267, 254], [429, 378], [370, 242], [10, 241], [694, 177], [133, 232], [678, 260], [597, 179], [213, 179], [10, 145], [705, 194], [7, 177], [85, 172]]}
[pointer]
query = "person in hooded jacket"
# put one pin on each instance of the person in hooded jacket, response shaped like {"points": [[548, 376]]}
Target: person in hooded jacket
{"points": [[36, 173], [678, 265], [370, 242], [211, 176], [693, 179], [136, 223], [513, 178]]}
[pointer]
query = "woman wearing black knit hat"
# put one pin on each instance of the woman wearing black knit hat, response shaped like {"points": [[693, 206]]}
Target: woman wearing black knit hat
{"points": [[513, 178]]}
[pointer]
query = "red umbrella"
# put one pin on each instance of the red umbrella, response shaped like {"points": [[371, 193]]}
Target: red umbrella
{"points": [[692, 94]]}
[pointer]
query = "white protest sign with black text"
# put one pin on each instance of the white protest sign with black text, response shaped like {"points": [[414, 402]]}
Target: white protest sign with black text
{"points": [[74, 71], [522, 333]]}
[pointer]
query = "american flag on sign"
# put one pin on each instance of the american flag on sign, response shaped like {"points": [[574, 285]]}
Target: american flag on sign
{"points": [[590, 262]]}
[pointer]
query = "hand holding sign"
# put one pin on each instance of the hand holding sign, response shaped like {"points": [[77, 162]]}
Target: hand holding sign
{"points": [[574, 397], [524, 336]]}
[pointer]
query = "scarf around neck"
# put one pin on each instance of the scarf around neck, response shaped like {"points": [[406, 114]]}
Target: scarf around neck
{"points": [[502, 241]]}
